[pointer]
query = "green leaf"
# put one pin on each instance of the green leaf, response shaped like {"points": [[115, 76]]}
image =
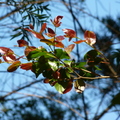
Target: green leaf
{"points": [[59, 88], [68, 62], [91, 54], [53, 65], [38, 53], [60, 54], [40, 66], [63, 86]]}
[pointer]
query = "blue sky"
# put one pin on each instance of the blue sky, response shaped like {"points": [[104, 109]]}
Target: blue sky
{"points": [[99, 7]]}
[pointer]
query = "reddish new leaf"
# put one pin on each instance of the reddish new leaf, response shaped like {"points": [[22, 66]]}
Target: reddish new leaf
{"points": [[59, 44], [8, 54], [56, 21], [50, 33], [43, 28], [9, 58], [69, 48], [14, 66], [26, 66], [36, 34], [90, 37], [29, 49], [69, 33], [46, 80], [47, 41], [79, 41], [60, 38], [22, 43], [69, 87], [31, 26], [5, 50]]}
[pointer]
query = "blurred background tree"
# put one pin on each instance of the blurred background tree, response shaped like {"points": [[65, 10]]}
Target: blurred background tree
{"points": [[23, 97]]}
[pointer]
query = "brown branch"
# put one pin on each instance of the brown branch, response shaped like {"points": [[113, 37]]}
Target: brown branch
{"points": [[18, 89], [50, 98], [105, 111]]}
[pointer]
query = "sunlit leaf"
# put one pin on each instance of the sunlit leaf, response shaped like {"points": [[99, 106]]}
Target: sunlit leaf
{"points": [[56, 22], [59, 53], [14, 66], [47, 41], [31, 26], [69, 48], [26, 66], [43, 27], [59, 38], [90, 37], [36, 34], [79, 85], [22, 43], [63, 87], [69, 33], [79, 41], [29, 49], [50, 33], [8, 54], [53, 65], [58, 44]]}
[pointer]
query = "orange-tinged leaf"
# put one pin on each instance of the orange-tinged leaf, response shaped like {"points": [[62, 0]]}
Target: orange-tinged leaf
{"points": [[22, 43], [9, 58], [59, 44], [31, 26], [14, 66], [36, 34], [5, 50], [26, 66], [8, 54], [56, 21], [29, 49], [69, 33], [69, 87], [69, 48], [79, 41], [60, 38], [43, 28], [50, 33], [90, 37], [47, 41]]}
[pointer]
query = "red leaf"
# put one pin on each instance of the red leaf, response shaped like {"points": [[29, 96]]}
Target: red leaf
{"points": [[36, 34], [59, 44], [69, 33], [4, 50], [14, 66], [50, 33], [69, 87], [90, 37], [56, 21], [60, 38], [9, 58], [26, 66], [43, 28], [29, 49], [31, 26], [22, 43], [8, 54], [69, 48], [79, 41], [46, 80]]}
